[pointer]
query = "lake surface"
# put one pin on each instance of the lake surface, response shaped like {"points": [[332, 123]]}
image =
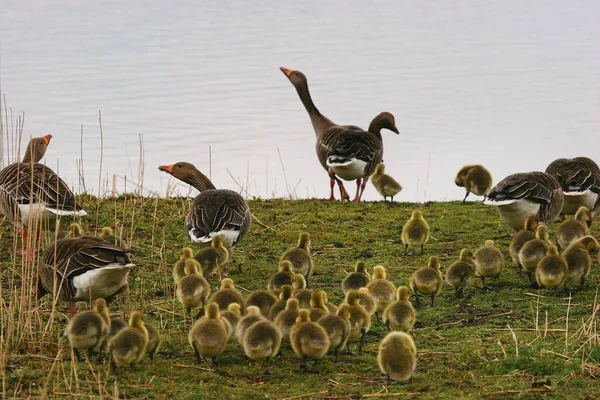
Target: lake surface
{"points": [[512, 85]]}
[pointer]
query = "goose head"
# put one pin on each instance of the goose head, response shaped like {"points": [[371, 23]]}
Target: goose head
{"points": [[296, 77], [36, 148]]}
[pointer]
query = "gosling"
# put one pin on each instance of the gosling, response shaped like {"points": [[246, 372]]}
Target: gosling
{"points": [[360, 320], [262, 341], [88, 329], [552, 270], [337, 328], [397, 357], [400, 315], [357, 279], [179, 267], [279, 306], [287, 318], [573, 229], [365, 299], [427, 281], [318, 309], [382, 290], [228, 294], [208, 336], [193, 289], [281, 278], [475, 179], [252, 316], [385, 184], [232, 316], [533, 251], [416, 231], [300, 291], [210, 258], [579, 260], [308, 339], [263, 300], [459, 273], [489, 262], [522, 237], [300, 257], [153, 341], [128, 346]]}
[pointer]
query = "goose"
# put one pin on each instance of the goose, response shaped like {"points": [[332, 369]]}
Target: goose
{"points": [[128, 346], [232, 315], [475, 179], [519, 195], [416, 231], [427, 280], [317, 305], [29, 190], [300, 291], [579, 178], [522, 237], [89, 329], [252, 316], [576, 228], [300, 257], [397, 356], [343, 149], [385, 184], [214, 211], [81, 268]]}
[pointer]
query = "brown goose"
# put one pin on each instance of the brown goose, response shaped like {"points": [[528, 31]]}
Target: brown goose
{"points": [[29, 189], [83, 268], [475, 179], [340, 147], [522, 194], [579, 178], [214, 211]]}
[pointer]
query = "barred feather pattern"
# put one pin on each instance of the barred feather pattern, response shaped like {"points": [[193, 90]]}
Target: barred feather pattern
{"points": [[576, 175]]}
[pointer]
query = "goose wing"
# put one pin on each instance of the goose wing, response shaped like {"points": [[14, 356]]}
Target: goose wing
{"points": [[534, 186], [576, 174]]}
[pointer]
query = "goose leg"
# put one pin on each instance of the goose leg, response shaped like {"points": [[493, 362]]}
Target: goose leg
{"points": [[466, 195], [357, 196], [362, 188], [343, 194], [331, 185]]}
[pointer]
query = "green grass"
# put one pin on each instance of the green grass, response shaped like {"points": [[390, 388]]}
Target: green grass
{"points": [[465, 347]]}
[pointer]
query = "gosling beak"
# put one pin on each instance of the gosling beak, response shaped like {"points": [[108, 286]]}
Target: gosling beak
{"points": [[286, 71], [47, 139], [167, 168]]}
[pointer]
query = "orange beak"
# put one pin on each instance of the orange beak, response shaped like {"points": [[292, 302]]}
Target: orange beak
{"points": [[166, 168], [286, 71], [47, 139]]}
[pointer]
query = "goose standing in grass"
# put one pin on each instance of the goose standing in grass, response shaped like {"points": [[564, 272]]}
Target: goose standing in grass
{"points": [[337, 327], [356, 279], [228, 294], [416, 231], [522, 237], [397, 357], [382, 290], [427, 280], [192, 289], [29, 190], [533, 251], [552, 271], [579, 178], [400, 315], [579, 260], [88, 330], [128, 346], [281, 278], [519, 195], [209, 335], [213, 257], [489, 262], [300, 257], [179, 267], [475, 179], [385, 184], [343, 150], [576, 228], [459, 273], [360, 320], [308, 339], [214, 211], [81, 268]]}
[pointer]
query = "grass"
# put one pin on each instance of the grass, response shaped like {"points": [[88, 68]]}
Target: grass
{"points": [[509, 341]]}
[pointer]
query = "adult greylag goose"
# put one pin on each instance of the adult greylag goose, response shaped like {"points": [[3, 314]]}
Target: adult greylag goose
{"points": [[83, 268], [214, 211], [522, 194], [346, 151], [29, 189], [579, 178]]}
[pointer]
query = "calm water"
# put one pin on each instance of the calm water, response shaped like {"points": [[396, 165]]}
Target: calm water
{"points": [[509, 84]]}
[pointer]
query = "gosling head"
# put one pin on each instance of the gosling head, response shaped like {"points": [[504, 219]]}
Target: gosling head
{"points": [[298, 282], [552, 251], [217, 242], [136, 320], [292, 304], [100, 306], [344, 312], [434, 262], [531, 223], [253, 310], [186, 253], [361, 266], [227, 283], [417, 215], [304, 241], [379, 272], [303, 316], [75, 230], [285, 266], [379, 169], [286, 292], [465, 255], [489, 243], [591, 244], [192, 266], [106, 231], [352, 298], [212, 311], [403, 293], [235, 308], [542, 232], [583, 214], [462, 175], [317, 299]]}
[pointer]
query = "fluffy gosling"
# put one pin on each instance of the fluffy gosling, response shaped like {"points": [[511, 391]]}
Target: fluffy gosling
{"points": [[357, 279], [252, 316], [382, 290], [475, 179], [300, 291], [317, 305], [262, 341], [208, 336], [281, 278], [385, 184], [308, 339], [552, 270], [459, 273], [415, 232], [88, 330], [228, 294], [337, 328], [489, 262], [210, 258], [400, 315], [522, 237], [179, 267], [128, 346], [360, 320], [300, 257], [279, 306], [193, 289], [153, 341], [427, 281], [579, 260], [397, 357], [232, 315], [573, 229], [287, 318], [263, 300], [533, 251], [365, 299]]}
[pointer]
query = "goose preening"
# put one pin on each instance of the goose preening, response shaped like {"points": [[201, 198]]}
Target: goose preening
{"points": [[29, 190], [475, 179], [346, 151], [519, 195], [214, 211], [83, 268], [579, 178]]}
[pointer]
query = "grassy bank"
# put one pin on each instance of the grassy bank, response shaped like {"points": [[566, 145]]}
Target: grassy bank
{"points": [[506, 341]]}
